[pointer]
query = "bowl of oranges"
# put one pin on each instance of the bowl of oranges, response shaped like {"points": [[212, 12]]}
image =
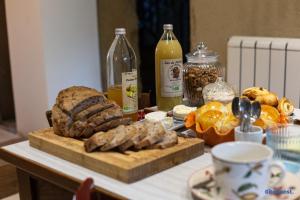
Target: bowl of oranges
{"points": [[213, 122]]}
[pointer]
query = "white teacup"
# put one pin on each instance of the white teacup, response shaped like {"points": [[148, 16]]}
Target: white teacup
{"points": [[243, 169], [254, 135]]}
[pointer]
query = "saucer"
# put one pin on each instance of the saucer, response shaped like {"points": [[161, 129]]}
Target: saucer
{"points": [[202, 186]]}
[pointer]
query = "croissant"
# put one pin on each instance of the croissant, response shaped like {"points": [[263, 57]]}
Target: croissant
{"points": [[285, 106], [263, 96], [253, 92]]}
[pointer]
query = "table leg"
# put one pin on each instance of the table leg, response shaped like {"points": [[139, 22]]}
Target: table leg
{"points": [[33, 188], [24, 185]]}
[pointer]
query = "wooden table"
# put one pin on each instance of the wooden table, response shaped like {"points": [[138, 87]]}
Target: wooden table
{"points": [[43, 176]]}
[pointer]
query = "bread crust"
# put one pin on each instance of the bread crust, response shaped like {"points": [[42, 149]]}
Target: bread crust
{"points": [[80, 111], [74, 99]]}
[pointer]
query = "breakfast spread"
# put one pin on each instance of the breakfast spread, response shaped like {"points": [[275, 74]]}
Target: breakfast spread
{"points": [[104, 127]]}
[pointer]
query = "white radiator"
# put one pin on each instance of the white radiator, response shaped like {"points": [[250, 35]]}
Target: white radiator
{"points": [[272, 63]]}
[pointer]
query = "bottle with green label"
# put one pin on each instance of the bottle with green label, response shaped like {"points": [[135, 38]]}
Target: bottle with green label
{"points": [[168, 70], [122, 76]]}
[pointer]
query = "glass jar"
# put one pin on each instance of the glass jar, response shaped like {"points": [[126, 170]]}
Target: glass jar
{"points": [[202, 68], [218, 91]]}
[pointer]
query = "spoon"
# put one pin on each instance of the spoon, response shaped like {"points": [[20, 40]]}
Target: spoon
{"points": [[241, 108], [235, 107], [244, 110], [255, 111]]}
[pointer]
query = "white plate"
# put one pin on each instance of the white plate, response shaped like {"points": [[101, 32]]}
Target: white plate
{"points": [[206, 188]]}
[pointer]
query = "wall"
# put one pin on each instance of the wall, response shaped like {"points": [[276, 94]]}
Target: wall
{"points": [[71, 46], [27, 63], [214, 21], [120, 13], [53, 43]]}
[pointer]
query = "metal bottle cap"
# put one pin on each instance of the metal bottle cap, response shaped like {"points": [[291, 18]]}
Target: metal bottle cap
{"points": [[120, 31], [168, 26]]}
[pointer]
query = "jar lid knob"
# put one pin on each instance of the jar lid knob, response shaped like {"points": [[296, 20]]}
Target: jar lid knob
{"points": [[201, 46]]}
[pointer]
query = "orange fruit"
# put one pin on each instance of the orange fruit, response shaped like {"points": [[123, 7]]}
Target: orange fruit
{"points": [[269, 113], [209, 118], [226, 123], [259, 122], [190, 120], [213, 105], [268, 117]]}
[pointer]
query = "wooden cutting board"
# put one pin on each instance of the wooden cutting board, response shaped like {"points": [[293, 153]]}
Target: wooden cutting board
{"points": [[128, 167]]}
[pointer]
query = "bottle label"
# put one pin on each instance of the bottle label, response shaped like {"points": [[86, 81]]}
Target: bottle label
{"points": [[129, 92], [171, 77]]}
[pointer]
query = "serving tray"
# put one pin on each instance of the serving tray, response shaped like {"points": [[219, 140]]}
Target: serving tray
{"points": [[128, 167]]}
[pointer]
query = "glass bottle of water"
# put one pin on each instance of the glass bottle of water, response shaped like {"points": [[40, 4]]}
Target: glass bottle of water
{"points": [[122, 76]]}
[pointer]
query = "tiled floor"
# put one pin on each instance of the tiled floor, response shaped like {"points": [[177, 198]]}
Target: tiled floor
{"points": [[7, 137], [13, 197], [9, 125]]}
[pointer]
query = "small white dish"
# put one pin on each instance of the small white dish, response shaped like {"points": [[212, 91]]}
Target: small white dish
{"points": [[203, 187]]}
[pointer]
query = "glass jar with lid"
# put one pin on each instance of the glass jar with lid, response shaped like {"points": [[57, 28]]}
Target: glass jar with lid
{"points": [[218, 91], [202, 68]]}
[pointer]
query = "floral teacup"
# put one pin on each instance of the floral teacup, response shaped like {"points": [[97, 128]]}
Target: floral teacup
{"points": [[243, 169]]}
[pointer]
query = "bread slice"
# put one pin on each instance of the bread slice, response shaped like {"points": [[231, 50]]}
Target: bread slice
{"points": [[140, 133], [112, 124], [155, 132], [168, 140], [123, 134], [60, 121], [86, 128], [92, 110], [74, 99], [105, 116], [97, 140]]}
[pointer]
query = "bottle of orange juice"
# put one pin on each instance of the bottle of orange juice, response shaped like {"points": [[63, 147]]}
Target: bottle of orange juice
{"points": [[168, 70]]}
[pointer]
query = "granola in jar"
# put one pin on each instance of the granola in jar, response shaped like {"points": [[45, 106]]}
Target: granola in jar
{"points": [[201, 69]]}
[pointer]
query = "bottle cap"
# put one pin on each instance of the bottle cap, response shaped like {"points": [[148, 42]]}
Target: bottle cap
{"points": [[120, 31], [168, 26]]}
